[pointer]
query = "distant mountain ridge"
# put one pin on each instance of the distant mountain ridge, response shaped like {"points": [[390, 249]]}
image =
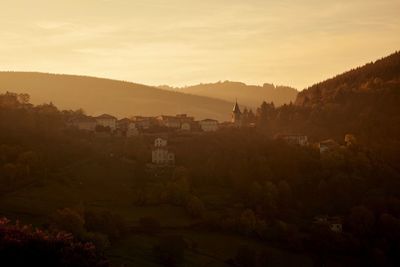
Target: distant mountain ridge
{"points": [[119, 98], [250, 96]]}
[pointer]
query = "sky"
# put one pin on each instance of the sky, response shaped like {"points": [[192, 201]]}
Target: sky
{"points": [[185, 42]]}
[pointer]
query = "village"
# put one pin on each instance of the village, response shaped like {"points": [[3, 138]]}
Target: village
{"points": [[107, 125]]}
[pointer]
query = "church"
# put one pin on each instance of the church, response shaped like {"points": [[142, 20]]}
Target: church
{"points": [[237, 117]]}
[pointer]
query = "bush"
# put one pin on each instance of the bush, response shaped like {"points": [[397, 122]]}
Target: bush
{"points": [[22, 245]]}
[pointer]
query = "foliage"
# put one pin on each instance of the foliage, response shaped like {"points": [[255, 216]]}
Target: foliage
{"points": [[170, 251], [22, 245]]}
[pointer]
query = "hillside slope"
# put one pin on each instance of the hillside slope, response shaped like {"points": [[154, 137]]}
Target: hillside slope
{"points": [[247, 95], [380, 76], [97, 95], [364, 101]]}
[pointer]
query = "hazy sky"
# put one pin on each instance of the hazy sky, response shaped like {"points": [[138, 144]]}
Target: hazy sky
{"points": [[173, 42]]}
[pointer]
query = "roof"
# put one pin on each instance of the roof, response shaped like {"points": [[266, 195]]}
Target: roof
{"points": [[209, 120], [166, 117], [329, 143], [141, 118], [106, 116], [124, 120], [236, 108], [279, 136], [83, 120]]}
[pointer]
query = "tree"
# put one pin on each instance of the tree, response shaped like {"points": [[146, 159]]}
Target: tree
{"points": [[361, 220], [170, 251], [248, 221], [245, 256], [195, 207], [149, 225]]}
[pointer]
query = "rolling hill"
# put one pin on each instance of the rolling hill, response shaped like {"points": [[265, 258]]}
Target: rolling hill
{"points": [[96, 96], [250, 96]]}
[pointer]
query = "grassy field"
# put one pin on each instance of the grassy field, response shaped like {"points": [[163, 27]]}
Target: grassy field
{"points": [[110, 185], [212, 249]]}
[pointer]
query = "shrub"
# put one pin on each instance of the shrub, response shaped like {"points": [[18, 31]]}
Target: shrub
{"points": [[22, 245]]}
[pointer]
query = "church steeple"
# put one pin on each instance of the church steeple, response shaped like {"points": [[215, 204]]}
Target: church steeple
{"points": [[236, 108], [236, 115]]}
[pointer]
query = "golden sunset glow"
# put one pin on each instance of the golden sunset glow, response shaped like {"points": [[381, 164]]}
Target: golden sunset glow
{"points": [[295, 43]]}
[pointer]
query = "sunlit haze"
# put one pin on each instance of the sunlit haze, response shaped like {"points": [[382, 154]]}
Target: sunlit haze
{"points": [[295, 43]]}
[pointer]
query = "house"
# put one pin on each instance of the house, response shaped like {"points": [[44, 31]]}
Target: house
{"points": [[293, 139], [169, 121], [132, 131], [84, 123], [350, 140], [159, 142], [107, 121], [143, 123], [160, 153], [327, 146], [334, 224], [209, 125], [127, 127], [122, 124], [186, 126], [185, 118]]}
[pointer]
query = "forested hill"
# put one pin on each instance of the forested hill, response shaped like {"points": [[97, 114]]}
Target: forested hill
{"points": [[97, 96], [248, 95], [382, 77], [364, 101]]}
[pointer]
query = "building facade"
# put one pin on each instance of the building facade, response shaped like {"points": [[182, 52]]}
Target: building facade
{"points": [[127, 127], [160, 154], [106, 120], [84, 123], [209, 125], [327, 146], [294, 139]]}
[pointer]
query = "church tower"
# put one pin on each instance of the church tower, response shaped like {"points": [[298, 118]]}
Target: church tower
{"points": [[236, 115]]}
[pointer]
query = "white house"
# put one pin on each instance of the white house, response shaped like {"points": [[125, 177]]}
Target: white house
{"points": [[169, 121], [332, 223], [327, 146], [106, 120], [186, 126], [84, 123], [209, 125], [160, 154], [294, 139], [159, 142]]}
